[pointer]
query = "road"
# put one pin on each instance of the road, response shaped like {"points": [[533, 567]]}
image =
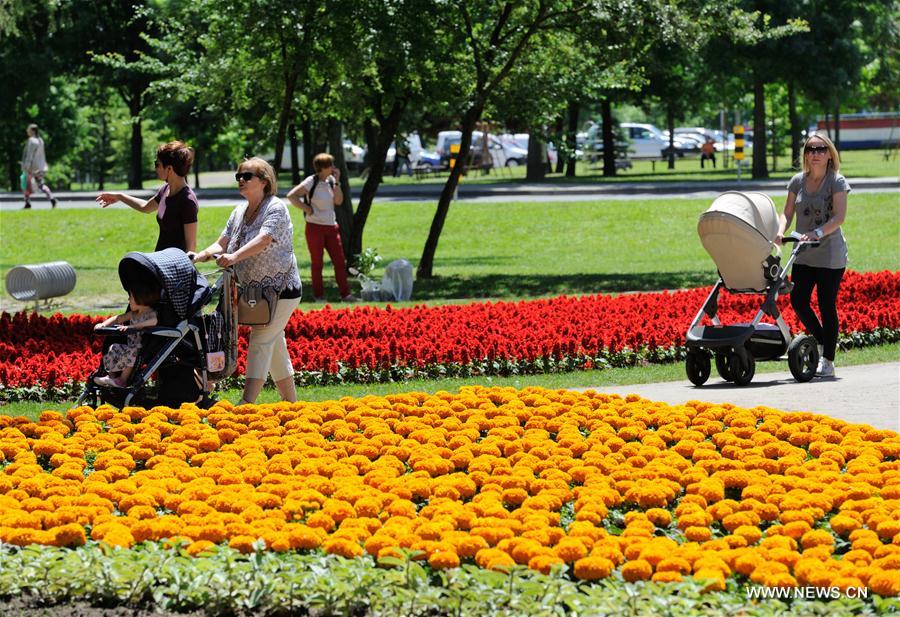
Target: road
{"points": [[492, 193]]}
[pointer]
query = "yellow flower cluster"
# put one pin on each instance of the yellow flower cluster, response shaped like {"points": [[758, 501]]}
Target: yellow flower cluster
{"points": [[492, 476]]}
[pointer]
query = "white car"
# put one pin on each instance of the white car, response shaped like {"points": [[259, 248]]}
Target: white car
{"points": [[521, 140], [648, 142], [502, 154]]}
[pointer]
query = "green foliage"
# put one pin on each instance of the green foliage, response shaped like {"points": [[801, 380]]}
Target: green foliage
{"points": [[223, 581]]}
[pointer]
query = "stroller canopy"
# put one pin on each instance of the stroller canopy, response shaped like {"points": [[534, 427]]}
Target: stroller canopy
{"points": [[184, 289], [738, 231]]}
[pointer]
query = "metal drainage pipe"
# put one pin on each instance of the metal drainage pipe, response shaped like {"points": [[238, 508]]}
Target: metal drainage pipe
{"points": [[40, 281]]}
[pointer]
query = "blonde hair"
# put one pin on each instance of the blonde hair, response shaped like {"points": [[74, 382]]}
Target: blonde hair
{"points": [[322, 161], [264, 171], [834, 162]]}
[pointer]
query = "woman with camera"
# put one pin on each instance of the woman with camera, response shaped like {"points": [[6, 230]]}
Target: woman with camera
{"points": [[322, 191], [258, 241]]}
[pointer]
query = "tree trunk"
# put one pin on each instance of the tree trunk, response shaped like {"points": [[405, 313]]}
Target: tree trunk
{"points": [[560, 138], [377, 144], [426, 263], [284, 116], [795, 125], [609, 139], [104, 142], [295, 163], [670, 125], [536, 168], [306, 127], [760, 169], [136, 164], [571, 140], [837, 126], [344, 213]]}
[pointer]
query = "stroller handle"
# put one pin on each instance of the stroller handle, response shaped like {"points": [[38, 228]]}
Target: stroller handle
{"points": [[795, 237]]}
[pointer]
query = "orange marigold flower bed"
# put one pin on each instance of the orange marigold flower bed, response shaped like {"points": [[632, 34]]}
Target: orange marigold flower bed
{"points": [[594, 483]]}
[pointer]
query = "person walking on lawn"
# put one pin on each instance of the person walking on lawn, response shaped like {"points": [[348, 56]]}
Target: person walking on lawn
{"points": [[34, 166]]}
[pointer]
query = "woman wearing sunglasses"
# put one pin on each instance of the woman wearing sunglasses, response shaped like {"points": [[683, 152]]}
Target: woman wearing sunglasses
{"points": [[174, 203], [258, 241], [818, 196]]}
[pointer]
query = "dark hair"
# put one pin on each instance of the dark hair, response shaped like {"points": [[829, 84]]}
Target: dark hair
{"points": [[177, 155], [145, 293]]}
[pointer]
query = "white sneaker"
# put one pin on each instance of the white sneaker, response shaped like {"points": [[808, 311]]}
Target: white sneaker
{"points": [[349, 298], [826, 368]]}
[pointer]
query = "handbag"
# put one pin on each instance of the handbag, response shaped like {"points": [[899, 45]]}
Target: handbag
{"points": [[255, 308]]}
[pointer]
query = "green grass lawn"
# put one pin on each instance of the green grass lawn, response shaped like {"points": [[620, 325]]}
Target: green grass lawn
{"points": [[497, 250], [650, 373]]}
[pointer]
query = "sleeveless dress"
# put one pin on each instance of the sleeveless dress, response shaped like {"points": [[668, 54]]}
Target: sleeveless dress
{"points": [[121, 356]]}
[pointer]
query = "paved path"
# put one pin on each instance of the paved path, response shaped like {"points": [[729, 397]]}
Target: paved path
{"points": [[491, 193], [867, 394]]}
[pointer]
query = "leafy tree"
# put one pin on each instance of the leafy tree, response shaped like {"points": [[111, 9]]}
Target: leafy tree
{"points": [[753, 51], [396, 71], [491, 40], [111, 41], [26, 29]]}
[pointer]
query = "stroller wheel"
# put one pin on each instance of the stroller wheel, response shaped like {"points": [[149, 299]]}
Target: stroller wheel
{"points": [[698, 366], [742, 371], [723, 365], [803, 358]]}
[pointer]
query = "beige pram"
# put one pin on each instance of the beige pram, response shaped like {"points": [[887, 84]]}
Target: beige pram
{"points": [[738, 231]]}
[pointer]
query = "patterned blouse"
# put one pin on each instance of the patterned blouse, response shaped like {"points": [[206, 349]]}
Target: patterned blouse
{"points": [[276, 267]]}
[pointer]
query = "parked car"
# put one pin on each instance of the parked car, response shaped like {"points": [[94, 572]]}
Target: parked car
{"points": [[520, 140], [701, 134], [590, 145], [648, 142], [690, 142], [502, 155], [430, 161]]}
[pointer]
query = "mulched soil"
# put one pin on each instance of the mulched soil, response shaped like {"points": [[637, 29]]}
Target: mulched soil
{"points": [[19, 607]]}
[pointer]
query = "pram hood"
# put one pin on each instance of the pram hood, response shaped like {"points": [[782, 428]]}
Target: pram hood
{"points": [[738, 231], [184, 289]]}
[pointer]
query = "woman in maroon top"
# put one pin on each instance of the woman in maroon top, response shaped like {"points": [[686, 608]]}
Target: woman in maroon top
{"points": [[175, 203]]}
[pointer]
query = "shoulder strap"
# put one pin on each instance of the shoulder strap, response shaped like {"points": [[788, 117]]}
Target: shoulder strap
{"points": [[312, 191]]}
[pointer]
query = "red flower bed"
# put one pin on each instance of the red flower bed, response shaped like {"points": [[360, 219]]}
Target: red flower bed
{"points": [[375, 344]]}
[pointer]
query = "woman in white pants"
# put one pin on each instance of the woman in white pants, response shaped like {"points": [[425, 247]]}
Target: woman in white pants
{"points": [[259, 241]]}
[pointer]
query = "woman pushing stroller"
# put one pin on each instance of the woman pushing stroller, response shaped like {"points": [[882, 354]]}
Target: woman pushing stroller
{"points": [[818, 196], [119, 360]]}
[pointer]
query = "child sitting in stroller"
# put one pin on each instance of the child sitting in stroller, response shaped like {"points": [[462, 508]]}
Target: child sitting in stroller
{"points": [[120, 358]]}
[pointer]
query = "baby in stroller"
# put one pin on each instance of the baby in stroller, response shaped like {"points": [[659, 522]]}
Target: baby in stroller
{"points": [[165, 350], [120, 358]]}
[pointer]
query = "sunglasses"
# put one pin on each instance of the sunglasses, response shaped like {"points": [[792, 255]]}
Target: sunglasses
{"points": [[816, 149], [244, 175]]}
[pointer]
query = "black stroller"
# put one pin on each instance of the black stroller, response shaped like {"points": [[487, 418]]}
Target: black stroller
{"points": [[181, 358], [738, 231]]}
